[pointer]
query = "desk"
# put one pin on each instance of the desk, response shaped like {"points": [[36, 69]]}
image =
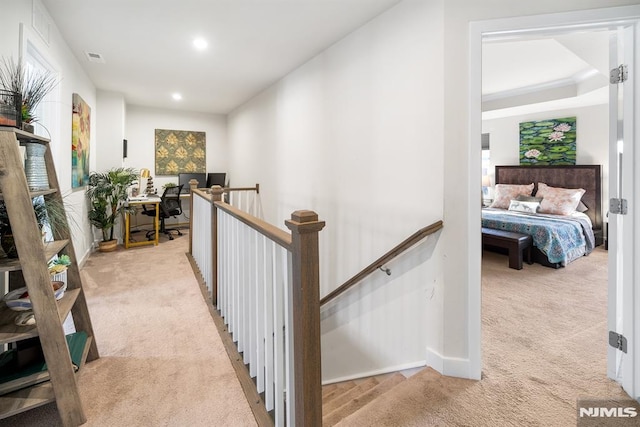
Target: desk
{"points": [[155, 201]]}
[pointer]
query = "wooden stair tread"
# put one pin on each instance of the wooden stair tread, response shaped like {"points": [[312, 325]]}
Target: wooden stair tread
{"points": [[335, 416], [329, 388], [342, 387], [348, 395]]}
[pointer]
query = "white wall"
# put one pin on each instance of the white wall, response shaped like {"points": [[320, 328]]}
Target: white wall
{"points": [[74, 80], [356, 135], [110, 130], [141, 123], [592, 142]]}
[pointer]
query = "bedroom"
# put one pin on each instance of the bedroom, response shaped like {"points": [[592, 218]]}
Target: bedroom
{"points": [[527, 79]]}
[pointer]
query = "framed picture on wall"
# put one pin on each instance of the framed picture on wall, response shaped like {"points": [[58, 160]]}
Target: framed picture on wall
{"points": [[548, 142], [80, 140], [180, 151]]}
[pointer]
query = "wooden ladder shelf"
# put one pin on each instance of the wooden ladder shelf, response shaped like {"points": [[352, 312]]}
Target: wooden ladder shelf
{"points": [[31, 270]]}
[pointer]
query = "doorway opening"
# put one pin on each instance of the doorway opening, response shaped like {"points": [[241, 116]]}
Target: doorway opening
{"points": [[530, 29]]}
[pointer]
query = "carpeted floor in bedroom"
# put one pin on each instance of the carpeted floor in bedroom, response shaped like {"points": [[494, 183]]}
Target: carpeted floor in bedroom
{"points": [[544, 346]]}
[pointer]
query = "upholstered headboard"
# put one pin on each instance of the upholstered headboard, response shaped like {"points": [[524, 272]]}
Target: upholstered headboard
{"points": [[579, 176]]}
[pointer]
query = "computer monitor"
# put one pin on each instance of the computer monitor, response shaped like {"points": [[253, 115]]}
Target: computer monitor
{"points": [[184, 178], [216, 179]]}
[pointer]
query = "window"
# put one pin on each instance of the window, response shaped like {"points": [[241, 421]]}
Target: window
{"points": [[48, 111]]}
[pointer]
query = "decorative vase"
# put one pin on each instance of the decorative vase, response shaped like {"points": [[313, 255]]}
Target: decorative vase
{"points": [[35, 167], [108, 245]]}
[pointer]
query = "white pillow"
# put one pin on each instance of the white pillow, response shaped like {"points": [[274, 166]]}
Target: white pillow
{"points": [[520, 206]]}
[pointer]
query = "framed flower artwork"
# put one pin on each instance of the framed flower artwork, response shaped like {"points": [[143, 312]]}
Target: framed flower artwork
{"points": [[548, 142]]}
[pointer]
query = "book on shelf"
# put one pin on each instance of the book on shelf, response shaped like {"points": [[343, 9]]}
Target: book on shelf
{"points": [[24, 367]]}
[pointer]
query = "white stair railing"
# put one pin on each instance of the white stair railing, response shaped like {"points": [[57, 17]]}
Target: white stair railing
{"points": [[254, 283], [264, 283], [200, 235], [247, 199]]}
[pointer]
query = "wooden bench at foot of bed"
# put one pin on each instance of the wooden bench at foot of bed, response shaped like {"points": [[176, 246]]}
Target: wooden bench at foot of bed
{"points": [[516, 245]]}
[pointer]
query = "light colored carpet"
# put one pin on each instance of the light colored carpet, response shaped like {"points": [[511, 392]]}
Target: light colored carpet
{"points": [[544, 346], [162, 362], [544, 343]]}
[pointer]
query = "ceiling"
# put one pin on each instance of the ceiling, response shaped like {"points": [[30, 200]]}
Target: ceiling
{"points": [[523, 75], [148, 51]]}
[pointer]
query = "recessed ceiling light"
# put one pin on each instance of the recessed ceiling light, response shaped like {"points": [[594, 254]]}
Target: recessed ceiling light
{"points": [[176, 96], [200, 43]]}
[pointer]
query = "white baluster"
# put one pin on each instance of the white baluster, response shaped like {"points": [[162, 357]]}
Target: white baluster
{"points": [[253, 305], [279, 345], [268, 322]]}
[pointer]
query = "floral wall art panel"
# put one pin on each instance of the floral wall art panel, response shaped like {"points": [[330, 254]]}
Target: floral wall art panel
{"points": [[548, 142], [180, 151], [80, 138]]}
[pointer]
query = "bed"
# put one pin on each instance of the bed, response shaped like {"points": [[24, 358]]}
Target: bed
{"points": [[557, 239]]}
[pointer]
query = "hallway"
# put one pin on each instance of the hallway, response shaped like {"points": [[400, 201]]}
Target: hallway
{"points": [[162, 361]]}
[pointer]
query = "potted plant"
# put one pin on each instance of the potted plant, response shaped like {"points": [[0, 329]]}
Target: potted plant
{"points": [[107, 194], [58, 268], [33, 87], [49, 213]]}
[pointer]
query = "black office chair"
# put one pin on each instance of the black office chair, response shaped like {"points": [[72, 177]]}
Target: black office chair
{"points": [[170, 206]]}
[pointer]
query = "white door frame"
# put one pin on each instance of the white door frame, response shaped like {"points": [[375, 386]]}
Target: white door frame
{"points": [[623, 299], [559, 22]]}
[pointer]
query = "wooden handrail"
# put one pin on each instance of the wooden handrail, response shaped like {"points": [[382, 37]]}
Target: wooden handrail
{"points": [[279, 236], [406, 244], [230, 189]]}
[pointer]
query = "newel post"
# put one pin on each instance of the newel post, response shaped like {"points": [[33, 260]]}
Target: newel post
{"points": [[304, 226], [217, 193], [193, 184]]}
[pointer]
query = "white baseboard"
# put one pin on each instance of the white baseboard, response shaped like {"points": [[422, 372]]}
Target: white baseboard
{"points": [[387, 370], [435, 360], [449, 366], [85, 257]]}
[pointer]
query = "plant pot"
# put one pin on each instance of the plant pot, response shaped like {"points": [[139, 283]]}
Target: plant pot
{"points": [[108, 246]]}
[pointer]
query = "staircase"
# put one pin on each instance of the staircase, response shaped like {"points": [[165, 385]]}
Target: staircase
{"points": [[340, 400]]}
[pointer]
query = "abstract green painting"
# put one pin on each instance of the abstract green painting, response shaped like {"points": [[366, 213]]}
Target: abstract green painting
{"points": [[180, 151], [548, 142]]}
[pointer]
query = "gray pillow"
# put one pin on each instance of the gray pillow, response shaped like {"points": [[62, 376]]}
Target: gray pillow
{"points": [[582, 207]]}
